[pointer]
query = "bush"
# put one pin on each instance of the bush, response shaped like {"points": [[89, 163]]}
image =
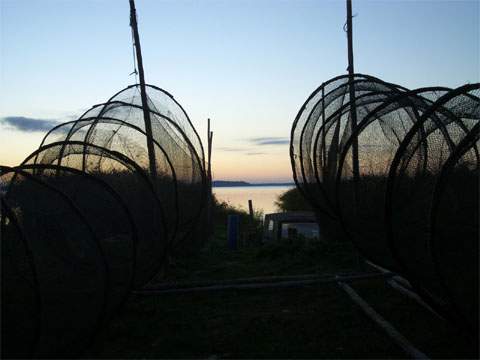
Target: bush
{"points": [[292, 200]]}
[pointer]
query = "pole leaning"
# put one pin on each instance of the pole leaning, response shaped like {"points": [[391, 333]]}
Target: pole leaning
{"points": [[143, 92]]}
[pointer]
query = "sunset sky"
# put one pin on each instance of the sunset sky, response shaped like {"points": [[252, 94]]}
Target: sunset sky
{"points": [[248, 65]]}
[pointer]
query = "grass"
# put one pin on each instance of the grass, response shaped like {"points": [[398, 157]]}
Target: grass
{"points": [[216, 262], [310, 322], [307, 323]]}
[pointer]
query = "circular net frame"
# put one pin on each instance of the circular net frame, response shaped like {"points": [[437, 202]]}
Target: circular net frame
{"points": [[96, 211], [415, 149]]}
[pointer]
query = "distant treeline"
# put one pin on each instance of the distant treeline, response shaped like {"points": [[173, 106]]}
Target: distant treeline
{"points": [[224, 183]]}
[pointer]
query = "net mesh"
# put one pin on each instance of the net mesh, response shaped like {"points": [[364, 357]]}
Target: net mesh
{"points": [[69, 264], [385, 178], [97, 210], [443, 140], [20, 294]]}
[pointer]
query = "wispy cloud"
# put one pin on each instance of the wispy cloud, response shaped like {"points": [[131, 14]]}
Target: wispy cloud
{"points": [[270, 141], [255, 153], [232, 149], [26, 124]]}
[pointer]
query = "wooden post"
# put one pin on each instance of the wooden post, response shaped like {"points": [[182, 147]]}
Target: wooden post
{"points": [[324, 147], [353, 109], [251, 226], [143, 92], [209, 154], [209, 180], [250, 210]]}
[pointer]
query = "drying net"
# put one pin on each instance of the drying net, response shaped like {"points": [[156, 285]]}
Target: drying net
{"points": [[435, 176], [455, 203], [20, 295], [382, 168], [118, 125], [378, 133], [68, 267], [318, 135], [96, 211], [132, 184]]}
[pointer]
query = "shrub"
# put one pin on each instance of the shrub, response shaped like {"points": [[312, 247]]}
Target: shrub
{"points": [[292, 200]]}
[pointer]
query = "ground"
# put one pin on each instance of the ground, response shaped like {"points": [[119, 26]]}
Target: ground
{"points": [[318, 321]]}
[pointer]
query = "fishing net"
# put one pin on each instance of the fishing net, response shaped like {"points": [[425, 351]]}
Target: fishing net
{"points": [[110, 219], [71, 273], [119, 125], [320, 131], [455, 227], [97, 210], [20, 294], [435, 175], [382, 169], [379, 131]]}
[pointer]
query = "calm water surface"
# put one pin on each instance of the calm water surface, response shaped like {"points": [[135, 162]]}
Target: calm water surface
{"points": [[263, 197]]}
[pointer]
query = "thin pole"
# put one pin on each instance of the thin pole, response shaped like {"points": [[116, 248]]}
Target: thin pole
{"points": [[324, 148], [353, 108], [209, 155], [389, 329], [209, 179], [250, 210], [259, 283], [143, 92]]}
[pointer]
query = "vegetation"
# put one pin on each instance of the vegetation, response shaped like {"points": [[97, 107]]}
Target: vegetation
{"points": [[317, 321], [308, 322], [292, 200]]}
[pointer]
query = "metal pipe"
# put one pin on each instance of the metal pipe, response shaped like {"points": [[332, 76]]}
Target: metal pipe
{"points": [[393, 333], [245, 285]]}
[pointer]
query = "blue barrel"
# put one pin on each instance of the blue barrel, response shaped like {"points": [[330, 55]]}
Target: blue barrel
{"points": [[232, 231]]}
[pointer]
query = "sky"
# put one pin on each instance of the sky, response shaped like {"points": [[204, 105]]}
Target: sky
{"points": [[247, 65]]}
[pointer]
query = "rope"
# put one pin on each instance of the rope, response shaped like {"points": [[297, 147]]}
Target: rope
{"points": [[135, 71]]}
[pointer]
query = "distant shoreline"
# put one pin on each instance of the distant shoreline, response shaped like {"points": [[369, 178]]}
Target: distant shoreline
{"points": [[223, 183]]}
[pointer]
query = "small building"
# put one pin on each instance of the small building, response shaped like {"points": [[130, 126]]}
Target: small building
{"points": [[290, 224]]}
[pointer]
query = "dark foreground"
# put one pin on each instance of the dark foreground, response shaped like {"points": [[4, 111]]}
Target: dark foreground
{"points": [[316, 321]]}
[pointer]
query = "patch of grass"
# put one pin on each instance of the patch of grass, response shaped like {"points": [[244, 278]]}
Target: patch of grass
{"points": [[285, 257], [312, 322], [308, 322]]}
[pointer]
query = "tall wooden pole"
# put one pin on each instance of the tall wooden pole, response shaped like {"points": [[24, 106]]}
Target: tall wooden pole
{"points": [[353, 108], [143, 92], [209, 154], [209, 176]]}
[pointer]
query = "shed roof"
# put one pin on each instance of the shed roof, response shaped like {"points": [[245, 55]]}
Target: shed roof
{"points": [[307, 216]]}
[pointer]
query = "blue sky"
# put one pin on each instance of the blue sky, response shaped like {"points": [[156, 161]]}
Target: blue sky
{"points": [[248, 65]]}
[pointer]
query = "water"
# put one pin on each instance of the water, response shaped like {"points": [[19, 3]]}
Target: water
{"points": [[263, 197]]}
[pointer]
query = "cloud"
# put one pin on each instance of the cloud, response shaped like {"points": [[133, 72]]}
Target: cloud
{"points": [[270, 141], [255, 153], [26, 124], [232, 149]]}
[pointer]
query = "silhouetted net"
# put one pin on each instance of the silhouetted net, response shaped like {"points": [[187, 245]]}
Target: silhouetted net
{"points": [[438, 159], [379, 132], [96, 211], [71, 270], [20, 294], [399, 179], [131, 183]]}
